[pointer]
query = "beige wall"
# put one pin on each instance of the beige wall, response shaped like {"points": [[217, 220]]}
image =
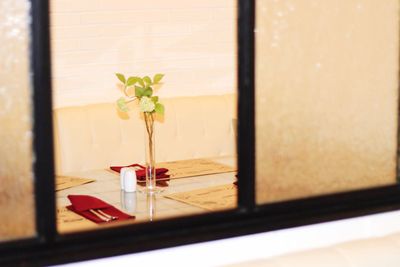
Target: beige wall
{"points": [[192, 42], [327, 96], [16, 178]]}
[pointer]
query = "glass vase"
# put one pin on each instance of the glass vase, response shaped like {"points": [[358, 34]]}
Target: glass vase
{"points": [[151, 185]]}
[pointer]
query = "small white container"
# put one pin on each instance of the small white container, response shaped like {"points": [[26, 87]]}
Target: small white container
{"points": [[121, 176], [129, 184]]}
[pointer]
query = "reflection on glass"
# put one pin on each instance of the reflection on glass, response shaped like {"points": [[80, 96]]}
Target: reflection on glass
{"points": [[151, 206], [194, 44], [326, 96], [16, 178], [128, 201]]}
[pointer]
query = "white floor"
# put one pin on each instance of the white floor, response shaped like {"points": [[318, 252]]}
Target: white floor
{"points": [[257, 246]]}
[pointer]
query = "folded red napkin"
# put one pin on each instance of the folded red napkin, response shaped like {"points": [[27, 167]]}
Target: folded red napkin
{"points": [[81, 204], [141, 174]]}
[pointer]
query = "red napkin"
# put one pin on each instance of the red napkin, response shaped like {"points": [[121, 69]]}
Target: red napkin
{"points": [[141, 174], [81, 204]]}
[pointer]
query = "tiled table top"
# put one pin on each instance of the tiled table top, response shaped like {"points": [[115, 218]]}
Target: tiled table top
{"points": [[146, 208]]}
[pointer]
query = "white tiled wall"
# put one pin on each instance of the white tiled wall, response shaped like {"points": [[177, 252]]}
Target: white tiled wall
{"points": [[193, 42]]}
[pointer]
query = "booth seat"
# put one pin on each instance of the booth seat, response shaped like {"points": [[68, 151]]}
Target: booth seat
{"points": [[98, 135]]}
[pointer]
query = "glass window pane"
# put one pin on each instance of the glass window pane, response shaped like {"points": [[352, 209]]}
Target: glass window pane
{"points": [[326, 96], [16, 176], [194, 44]]}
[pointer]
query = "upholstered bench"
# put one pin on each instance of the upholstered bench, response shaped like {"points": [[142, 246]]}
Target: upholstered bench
{"points": [[98, 135]]}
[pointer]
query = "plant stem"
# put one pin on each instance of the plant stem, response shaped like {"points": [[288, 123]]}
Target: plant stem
{"points": [[149, 120], [125, 92], [132, 99]]}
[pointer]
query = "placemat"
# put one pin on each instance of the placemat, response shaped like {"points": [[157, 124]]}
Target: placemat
{"points": [[212, 198], [64, 182], [68, 221], [194, 167]]}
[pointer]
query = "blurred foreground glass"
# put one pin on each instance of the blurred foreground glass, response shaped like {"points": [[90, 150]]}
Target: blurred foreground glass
{"points": [[16, 177], [326, 96]]}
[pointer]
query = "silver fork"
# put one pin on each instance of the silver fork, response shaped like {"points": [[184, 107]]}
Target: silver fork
{"points": [[107, 215], [100, 216]]}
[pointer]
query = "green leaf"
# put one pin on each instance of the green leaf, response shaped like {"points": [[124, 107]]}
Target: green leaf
{"points": [[139, 91], [121, 103], [154, 99], [141, 82], [148, 92], [157, 78], [121, 77], [131, 81], [159, 109], [147, 80]]}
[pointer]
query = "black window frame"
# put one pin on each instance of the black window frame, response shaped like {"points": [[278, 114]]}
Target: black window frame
{"points": [[48, 247]]}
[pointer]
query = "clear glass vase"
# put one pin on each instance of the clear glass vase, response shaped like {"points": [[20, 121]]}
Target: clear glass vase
{"points": [[151, 185]]}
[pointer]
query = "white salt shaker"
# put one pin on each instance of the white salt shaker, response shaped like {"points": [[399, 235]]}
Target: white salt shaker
{"points": [[129, 180], [121, 177]]}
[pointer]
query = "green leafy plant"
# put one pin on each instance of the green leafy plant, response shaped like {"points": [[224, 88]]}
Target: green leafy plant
{"points": [[143, 92], [148, 104]]}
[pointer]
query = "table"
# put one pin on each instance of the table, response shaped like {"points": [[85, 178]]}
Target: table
{"points": [[145, 207]]}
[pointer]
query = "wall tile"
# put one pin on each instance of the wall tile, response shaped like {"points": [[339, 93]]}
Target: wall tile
{"points": [[178, 38]]}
